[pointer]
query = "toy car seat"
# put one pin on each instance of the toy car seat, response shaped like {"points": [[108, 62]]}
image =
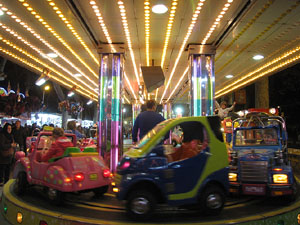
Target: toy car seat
{"points": [[89, 149], [67, 152]]}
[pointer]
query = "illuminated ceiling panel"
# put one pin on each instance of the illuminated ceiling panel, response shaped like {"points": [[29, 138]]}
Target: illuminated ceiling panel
{"points": [[73, 29]]}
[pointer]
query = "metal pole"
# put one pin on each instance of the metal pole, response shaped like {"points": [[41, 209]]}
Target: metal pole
{"points": [[43, 97]]}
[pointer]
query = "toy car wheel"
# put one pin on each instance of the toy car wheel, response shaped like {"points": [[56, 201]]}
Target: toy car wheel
{"points": [[56, 197], [293, 196], [212, 200], [140, 204], [100, 191], [21, 183]]}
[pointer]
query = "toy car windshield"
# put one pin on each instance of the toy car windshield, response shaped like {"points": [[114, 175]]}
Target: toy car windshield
{"points": [[150, 135], [44, 142], [250, 137]]}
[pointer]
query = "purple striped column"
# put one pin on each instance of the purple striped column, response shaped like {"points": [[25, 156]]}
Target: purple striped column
{"points": [[136, 109], [110, 141], [202, 78], [167, 112]]}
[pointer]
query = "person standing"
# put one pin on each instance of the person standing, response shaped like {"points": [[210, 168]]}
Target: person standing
{"points": [[71, 128], [7, 146], [19, 135], [145, 121], [222, 110]]}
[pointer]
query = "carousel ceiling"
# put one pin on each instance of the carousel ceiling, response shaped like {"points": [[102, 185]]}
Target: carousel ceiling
{"points": [[64, 35]]}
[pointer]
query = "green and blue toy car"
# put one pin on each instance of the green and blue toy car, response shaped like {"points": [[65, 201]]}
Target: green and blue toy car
{"points": [[192, 174]]}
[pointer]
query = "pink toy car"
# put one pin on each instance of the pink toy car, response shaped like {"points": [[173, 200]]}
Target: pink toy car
{"points": [[30, 141], [75, 171]]}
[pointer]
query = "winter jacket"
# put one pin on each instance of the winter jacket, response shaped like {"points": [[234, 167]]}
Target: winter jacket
{"points": [[144, 122], [20, 137], [5, 145]]}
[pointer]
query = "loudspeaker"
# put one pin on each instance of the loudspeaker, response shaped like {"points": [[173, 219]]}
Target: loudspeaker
{"points": [[153, 77]]}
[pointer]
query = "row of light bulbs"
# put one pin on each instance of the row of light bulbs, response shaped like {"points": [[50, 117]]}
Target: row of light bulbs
{"points": [[217, 21], [276, 64], [72, 29], [203, 42], [102, 24], [11, 54], [167, 37], [28, 28], [15, 34], [259, 35], [169, 29], [265, 73], [190, 28], [56, 35], [108, 38], [147, 24], [147, 30], [43, 64], [245, 28], [41, 20], [194, 20], [130, 87], [128, 38], [36, 35], [181, 78]]}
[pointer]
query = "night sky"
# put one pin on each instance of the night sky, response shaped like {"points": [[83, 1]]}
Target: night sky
{"points": [[284, 91]]}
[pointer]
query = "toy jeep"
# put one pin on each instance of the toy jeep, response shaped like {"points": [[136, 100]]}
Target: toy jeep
{"points": [[260, 164]]}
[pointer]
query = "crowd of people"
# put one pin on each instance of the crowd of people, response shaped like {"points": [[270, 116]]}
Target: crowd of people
{"points": [[13, 138]]}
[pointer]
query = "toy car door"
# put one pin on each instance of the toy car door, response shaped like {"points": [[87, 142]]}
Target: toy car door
{"points": [[187, 161], [37, 167]]}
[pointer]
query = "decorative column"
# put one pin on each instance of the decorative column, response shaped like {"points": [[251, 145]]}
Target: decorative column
{"points": [[262, 93], [167, 110], [64, 118], [202, 76], [136, 109], [110, 138]]}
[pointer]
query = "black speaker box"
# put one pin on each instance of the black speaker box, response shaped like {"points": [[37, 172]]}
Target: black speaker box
{"points": [[153, 77]]}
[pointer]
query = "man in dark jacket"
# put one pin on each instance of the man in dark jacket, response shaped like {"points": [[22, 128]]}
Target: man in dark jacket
{"points": [[145, 121], [19, 136]]}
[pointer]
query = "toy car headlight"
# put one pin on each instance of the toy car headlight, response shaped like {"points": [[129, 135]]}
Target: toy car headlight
{"points": [[228, 124], [272, 110], [115, 189], [280, 178], [232, 176], [241, 113]]}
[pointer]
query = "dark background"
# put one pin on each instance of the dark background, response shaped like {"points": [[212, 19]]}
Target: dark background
{"points": [[18, 75], [284, 91]]}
